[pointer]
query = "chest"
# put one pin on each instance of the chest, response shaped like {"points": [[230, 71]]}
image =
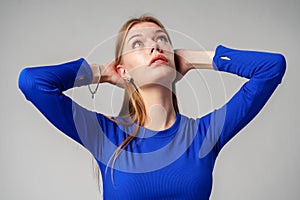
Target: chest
{"points": [[186, 178]]}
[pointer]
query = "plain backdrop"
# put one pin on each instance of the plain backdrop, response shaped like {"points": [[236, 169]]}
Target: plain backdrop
{"points": [[38, 162]]}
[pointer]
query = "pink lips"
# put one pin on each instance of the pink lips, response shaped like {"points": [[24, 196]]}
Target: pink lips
{"points": [[158, 59]]}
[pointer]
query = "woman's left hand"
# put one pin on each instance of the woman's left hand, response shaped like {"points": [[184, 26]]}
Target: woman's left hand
{"points": [[181, 63], [186, 60]]}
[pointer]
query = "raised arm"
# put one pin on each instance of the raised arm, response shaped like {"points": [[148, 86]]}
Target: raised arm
{"points": [[265, 71], [44, 87]]}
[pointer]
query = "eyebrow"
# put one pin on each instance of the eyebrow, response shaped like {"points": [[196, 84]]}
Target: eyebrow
{"points": [[138, 35]]}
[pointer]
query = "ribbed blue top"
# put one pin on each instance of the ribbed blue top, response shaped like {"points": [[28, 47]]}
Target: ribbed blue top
{"points": [[176, 163]]}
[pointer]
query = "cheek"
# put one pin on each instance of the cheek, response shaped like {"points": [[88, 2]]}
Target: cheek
{"points": [[134, 59], [169, 52], [171, 59], [167, 47]]}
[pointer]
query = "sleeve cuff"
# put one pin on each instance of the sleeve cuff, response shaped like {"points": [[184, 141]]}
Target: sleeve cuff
{"points": [[220, 57], [84, 75]]}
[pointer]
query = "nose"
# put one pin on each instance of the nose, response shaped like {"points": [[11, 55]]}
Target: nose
{"points": [[155, 47]]}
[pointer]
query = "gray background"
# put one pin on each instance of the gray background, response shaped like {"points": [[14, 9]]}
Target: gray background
{"points": [[38, 162]]}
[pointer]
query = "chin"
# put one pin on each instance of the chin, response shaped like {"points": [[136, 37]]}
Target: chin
{"points": [[162, 75]]}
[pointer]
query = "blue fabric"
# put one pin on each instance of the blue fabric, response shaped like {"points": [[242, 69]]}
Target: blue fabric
{"points": [[176, 163]]}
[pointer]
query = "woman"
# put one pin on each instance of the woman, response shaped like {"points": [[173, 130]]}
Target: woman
{"points": [[150, 149]]}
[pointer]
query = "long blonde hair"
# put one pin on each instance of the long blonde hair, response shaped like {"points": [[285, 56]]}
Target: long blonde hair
{"points": [[133, 103]]}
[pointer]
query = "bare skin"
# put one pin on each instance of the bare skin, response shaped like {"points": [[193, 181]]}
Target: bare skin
{"points": [[157, 97]]}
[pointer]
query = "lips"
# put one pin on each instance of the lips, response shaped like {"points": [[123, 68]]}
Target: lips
{"points": [[158, 59]]}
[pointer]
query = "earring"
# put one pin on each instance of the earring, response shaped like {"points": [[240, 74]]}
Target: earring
{"points": [[130, 80], [127, 78]]}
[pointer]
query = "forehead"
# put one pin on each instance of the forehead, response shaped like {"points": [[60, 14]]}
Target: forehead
{"points": [[143, 28]]}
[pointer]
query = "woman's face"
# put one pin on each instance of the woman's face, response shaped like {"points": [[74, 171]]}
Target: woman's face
{"points": [[148, 55]]}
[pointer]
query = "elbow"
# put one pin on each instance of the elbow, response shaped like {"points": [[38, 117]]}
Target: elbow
{"points": [[273, 68], [278, 67], [25, 82]]}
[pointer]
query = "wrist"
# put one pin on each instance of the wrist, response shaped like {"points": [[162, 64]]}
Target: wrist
{"points": [[200, 58], [104, 77], [96, 73]]}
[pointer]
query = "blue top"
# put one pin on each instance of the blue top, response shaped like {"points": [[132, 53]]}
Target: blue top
{"points": [[176, 163]]}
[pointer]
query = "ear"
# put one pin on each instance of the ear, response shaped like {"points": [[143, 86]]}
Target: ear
{"points": [[121, 70]]}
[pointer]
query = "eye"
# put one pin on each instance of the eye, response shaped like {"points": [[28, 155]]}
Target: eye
{"points": [[162, 38], [137, 44]]}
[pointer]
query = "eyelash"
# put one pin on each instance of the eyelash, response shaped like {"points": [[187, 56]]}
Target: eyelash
{"points": [[164, 39], [135, 42]]}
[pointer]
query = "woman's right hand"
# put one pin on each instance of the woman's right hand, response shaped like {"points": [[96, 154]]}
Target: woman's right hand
{"points": [[108, 74]]}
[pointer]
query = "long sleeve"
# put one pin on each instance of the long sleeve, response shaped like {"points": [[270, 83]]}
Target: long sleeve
{"points": [[264, 71], [44, 87]]}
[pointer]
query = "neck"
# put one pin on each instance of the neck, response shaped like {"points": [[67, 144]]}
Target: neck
{"points": [[159, 107]]}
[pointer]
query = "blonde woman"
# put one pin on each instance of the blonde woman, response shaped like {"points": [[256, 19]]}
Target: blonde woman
{"points": [[151, 151]]}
